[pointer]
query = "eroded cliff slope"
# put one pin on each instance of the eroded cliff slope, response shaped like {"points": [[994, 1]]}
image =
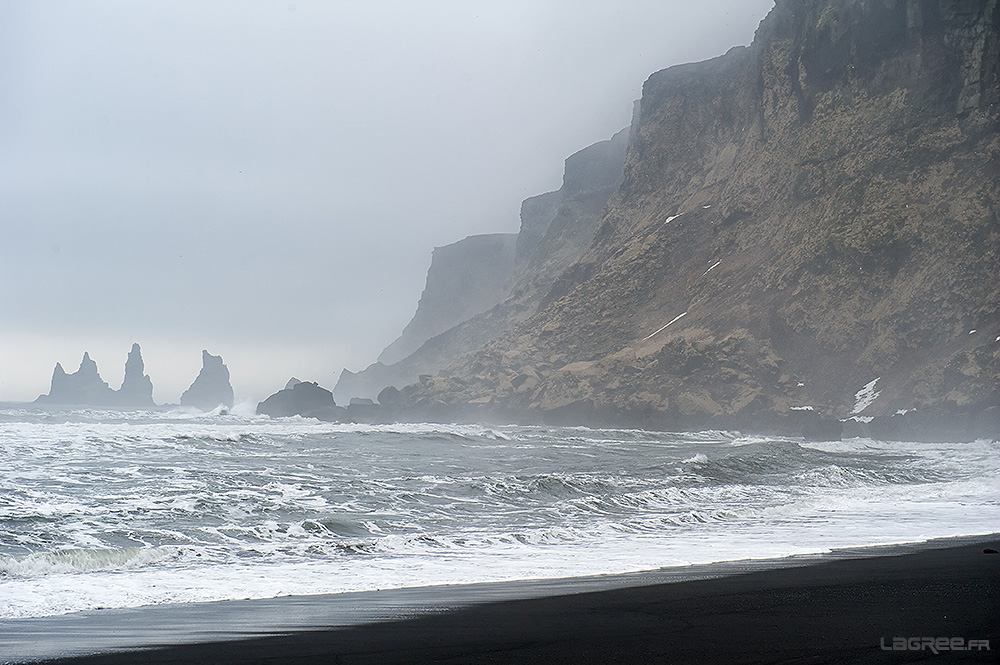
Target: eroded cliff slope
{"points": [[797, 219]]}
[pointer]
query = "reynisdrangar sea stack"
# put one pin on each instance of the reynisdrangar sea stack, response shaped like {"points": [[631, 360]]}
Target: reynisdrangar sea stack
{"points": [[211, 388]]}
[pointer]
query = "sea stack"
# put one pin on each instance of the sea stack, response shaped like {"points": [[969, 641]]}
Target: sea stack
{"points": [[84, 386], [137, 387], [211, 388]]}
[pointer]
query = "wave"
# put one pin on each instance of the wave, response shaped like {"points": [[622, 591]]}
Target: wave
{"points": [[790, 463], [216, 435], [65, 561], [548, 486], [423, 430], [165, 506]]}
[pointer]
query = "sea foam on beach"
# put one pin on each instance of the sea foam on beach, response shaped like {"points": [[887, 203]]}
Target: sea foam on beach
{"points": [[122, 509]]}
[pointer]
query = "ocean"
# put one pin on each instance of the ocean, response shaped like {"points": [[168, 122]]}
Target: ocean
{"points": [[112, 509]]}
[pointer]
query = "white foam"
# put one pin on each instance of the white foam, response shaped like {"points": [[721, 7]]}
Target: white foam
{"points": [[165, 509], [245, 407]]}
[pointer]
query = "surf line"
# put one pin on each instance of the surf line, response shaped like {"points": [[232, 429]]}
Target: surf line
{"points": [[675, 319]]}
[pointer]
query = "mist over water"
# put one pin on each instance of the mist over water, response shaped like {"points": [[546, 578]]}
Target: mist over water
{"points": [[120, 509]]}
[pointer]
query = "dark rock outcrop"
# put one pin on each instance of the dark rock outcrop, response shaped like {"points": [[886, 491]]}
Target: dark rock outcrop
{"points": [[556, 228], [84, 386], [365, 410], [797, 219], [137, 387], [211, 388], [301, 398], [388, 396]]}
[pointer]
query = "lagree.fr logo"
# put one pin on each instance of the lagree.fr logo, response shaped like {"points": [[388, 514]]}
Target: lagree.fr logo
{"points": [[934, 644]]}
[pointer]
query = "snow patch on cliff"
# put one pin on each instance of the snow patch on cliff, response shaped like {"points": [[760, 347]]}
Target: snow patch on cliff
{"points": [[865, 397]]}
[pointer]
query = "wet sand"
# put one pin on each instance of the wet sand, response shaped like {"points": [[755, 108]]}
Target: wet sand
{"points": [[847, 607]]}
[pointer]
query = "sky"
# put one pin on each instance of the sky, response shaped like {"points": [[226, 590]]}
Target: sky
{"points": [[266, 180]]}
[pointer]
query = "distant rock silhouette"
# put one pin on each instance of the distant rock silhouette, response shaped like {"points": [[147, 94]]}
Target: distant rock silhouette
{"points": [[137, 387], [211, 388], [364, 410], [388, 396], [300, 398], [84, 386]]}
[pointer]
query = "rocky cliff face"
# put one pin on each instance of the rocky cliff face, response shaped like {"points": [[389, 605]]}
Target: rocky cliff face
{"points": [[465, 278], [480, 287], [211, 388], [797, 219]]}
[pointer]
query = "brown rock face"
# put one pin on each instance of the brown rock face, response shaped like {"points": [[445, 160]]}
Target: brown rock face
{"points": [[797, 218]]}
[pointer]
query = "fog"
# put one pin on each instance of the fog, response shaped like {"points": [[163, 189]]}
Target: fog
{"points": [[266, 180]]}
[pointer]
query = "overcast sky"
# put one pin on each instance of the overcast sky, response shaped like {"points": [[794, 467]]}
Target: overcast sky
{"points": [[267, 180]]}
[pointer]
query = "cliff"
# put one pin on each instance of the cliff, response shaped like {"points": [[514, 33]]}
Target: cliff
{"points": [[802, 223], [479, 287], [465, 279]]}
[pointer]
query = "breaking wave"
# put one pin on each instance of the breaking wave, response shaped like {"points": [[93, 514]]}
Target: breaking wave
{"points": [[67, 561]]}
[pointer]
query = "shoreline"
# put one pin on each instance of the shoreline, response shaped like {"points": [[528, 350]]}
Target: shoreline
{"points": [[947, 587], [930, 426]]}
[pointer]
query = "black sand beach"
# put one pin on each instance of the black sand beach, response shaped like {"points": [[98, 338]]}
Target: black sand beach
{"points": [[852, 607]]}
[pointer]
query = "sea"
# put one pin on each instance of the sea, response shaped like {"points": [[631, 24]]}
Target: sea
{"points": [[121, 509]]}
